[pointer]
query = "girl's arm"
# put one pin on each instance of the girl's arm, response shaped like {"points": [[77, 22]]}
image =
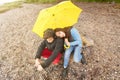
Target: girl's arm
{"points": [[76, 36], [67, 42]]}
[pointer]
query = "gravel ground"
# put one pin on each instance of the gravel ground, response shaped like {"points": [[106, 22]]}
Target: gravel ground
{"points": [[18, 44]]}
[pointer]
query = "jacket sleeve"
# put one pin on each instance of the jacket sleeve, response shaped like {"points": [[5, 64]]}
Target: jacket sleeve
{"points": [[40, 49], [58, 48]]}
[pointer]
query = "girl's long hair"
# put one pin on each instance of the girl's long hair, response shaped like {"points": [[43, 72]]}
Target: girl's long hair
{"points": [[66, 30]]}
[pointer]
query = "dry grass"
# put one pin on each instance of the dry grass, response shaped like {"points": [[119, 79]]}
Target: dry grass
{"points": [[18, 44], [9, 6], [117, 6]]}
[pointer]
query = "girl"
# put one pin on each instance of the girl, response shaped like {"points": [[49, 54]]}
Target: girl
{"points": [[73, 41]]}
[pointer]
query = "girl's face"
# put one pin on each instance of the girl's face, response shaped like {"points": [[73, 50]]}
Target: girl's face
{"points": [[60, 34], [50, 40]]}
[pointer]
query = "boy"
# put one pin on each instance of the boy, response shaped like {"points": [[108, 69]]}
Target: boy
{"points": [[51, 48]]}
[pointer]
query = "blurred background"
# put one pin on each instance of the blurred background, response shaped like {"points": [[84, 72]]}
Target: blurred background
{"points": [[99, 22]]}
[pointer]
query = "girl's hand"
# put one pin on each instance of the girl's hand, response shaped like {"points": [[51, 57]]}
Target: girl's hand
{"points": [[68, 43]]}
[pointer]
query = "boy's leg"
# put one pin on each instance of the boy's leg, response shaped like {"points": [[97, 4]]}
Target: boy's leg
{"points": [[46, 53], [57, 59]]}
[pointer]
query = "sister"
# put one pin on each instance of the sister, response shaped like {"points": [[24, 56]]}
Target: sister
{"points": [[73, 41]]}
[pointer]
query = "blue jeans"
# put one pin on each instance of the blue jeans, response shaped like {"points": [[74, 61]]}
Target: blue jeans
{"points": [[75, 46]]}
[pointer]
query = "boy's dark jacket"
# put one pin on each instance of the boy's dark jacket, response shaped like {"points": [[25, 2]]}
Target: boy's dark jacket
{"points": [[56, 46]]}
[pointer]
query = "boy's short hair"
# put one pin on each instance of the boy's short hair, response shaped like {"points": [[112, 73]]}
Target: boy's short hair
{"points": [[48, 33]]}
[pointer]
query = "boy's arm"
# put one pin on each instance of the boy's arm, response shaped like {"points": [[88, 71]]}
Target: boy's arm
{"points": [[40, 49], [58, 48]]}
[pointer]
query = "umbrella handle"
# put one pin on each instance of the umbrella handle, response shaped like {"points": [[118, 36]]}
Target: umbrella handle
{"points": [[66, 47]]}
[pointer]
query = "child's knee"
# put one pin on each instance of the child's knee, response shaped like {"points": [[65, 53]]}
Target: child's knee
{"points": [[77, 61]]}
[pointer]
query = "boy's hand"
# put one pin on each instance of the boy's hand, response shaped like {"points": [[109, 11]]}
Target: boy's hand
{"points": [[39, 68], [37, 62]]}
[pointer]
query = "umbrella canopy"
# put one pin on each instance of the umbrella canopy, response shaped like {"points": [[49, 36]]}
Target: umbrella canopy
{"points": [[61, 15]]}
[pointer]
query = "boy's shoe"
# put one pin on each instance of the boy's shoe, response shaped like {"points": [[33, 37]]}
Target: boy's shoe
{"points": [[64, 72]]}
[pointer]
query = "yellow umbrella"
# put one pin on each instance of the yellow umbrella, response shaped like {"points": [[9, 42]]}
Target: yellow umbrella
{"points": [[61, 15]]}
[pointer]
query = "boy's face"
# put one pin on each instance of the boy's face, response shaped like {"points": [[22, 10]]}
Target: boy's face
{"points": [[50, 40]]}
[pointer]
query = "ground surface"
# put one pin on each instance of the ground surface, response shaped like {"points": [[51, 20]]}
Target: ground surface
{"points": [[18, 44]]}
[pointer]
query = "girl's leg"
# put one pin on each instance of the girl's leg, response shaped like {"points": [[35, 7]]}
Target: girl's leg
{"points": [[77, 53], [76, 37], [67, 56]]}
